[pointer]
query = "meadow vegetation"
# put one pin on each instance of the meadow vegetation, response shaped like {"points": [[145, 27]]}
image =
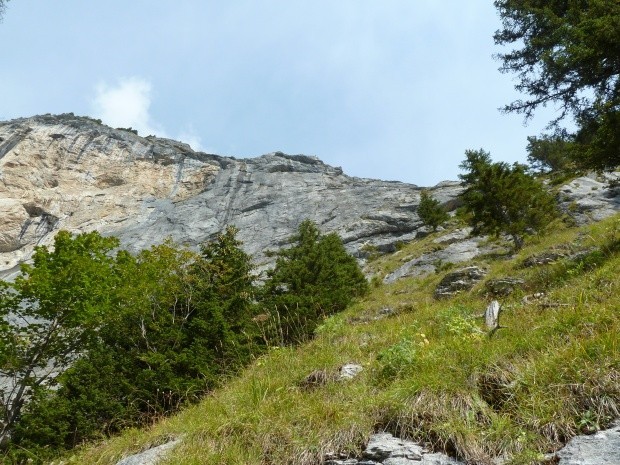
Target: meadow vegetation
{"points": [[94, 340], [431, 371]]}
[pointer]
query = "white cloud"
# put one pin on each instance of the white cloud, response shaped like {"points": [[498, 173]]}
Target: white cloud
{"points": [[190, 137], [126, 104]]}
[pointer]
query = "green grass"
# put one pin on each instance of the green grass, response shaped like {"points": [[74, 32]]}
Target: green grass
{"points": [[432, 373]]}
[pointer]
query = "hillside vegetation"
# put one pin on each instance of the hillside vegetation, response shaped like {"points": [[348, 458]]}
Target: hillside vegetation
{"points": [[432, 372]]}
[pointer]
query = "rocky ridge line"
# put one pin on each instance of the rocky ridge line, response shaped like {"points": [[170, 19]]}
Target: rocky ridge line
{"points": [[74, 173], [69, 172]]}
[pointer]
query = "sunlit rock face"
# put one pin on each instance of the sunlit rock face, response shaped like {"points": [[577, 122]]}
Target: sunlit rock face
{"points": [[68, 172]]}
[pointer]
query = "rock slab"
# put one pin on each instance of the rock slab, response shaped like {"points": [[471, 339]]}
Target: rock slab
{"points": [[385, 449], [602, 448], [458, 281], [150, 456]]}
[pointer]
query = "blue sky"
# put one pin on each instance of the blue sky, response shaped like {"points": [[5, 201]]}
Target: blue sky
{"points": [[391, 89]]}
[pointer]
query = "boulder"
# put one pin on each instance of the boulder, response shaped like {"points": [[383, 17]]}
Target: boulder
{"points": [[385, 449], [150, 456], [384, 446], [602, 448], [350, 371], [503, 286], [543, 259], [458, 281]]}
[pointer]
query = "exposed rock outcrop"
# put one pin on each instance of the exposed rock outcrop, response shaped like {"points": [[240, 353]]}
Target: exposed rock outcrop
{"points": [[590, 198], [453, 248], [68, 172], [151, 456], [459, 280], [602, 448], [385, 449]]}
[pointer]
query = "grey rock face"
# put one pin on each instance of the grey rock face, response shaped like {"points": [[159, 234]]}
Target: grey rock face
{"points": [[458, 281], [151, 456], [67, 172], [589, 198], [456, 247], [602, 448], [385, 449]]}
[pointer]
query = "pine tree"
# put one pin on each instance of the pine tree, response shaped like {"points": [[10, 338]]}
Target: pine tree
{"points": [[431, 212], [313, 278], [503, 198]]}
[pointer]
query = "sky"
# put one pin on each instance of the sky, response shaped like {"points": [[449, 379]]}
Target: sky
{"points": [[385, 89]]}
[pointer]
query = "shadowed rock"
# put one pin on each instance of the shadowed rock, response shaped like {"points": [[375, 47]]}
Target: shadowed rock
{"points": [[91, 177], [459, 281]]}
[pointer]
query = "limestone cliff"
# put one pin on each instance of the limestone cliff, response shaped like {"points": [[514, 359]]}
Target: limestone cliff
{"points": [[74, 173], [69, 172]]}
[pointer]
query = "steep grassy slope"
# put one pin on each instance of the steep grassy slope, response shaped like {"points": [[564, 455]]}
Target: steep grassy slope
{"points": [[432, 372]]}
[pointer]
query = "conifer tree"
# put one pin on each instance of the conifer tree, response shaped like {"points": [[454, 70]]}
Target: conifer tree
{"points": [[431, 212], [313, 278], [503, 198], [566, 53]]}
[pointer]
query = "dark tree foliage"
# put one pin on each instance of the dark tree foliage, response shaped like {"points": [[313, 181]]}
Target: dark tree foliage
{"points": [[180, 322], [313, 278], [117, 340], [568, 54], [503, 198], [3, 7], [431, 212], [223, 303], [550, 152], [598, 140], [50, 314]]}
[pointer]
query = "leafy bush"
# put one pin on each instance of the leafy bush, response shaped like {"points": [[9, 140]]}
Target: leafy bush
{"points": [[51, 313]]}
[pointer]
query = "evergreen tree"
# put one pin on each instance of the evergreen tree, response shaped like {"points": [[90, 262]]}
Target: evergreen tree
{"points": [[550, 153], [567, 54], [504, 199], [223, 303], [313, 278], [431, 212]]}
